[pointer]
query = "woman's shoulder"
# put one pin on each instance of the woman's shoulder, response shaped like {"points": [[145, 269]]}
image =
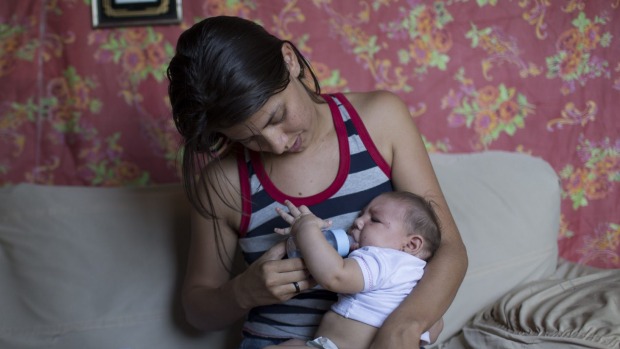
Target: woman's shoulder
{"points": [[221, 178], [225, 163], [386, 117], [375, 105], [371, 96]]}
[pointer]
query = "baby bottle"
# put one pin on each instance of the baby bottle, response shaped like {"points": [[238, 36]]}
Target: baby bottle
{"points": [[337, 238]]}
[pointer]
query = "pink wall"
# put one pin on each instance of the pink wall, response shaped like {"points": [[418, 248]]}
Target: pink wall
{"points": [[89, 107]]}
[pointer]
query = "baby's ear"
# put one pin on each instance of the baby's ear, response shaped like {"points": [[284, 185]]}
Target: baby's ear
{"points": [[414, 244]]}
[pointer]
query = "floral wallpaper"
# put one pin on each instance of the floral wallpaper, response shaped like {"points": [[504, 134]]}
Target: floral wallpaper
{"points": [[80, 106]]}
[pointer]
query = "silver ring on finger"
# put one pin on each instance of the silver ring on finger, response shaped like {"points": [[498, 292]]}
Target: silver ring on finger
{"points": [[297, 288]]}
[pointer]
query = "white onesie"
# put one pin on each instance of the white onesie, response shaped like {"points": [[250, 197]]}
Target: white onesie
{"points": [[389, 276]]}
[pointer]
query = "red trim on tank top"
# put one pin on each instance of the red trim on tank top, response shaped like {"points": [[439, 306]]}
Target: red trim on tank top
{"points": [[365, 136], [246, 194], [341, 176]]}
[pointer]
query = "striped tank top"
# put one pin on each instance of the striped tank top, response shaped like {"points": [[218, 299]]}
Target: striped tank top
{"points": [[362, 175]]}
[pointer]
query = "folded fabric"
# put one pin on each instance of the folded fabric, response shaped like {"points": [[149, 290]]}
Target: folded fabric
{"points": [[583, 312]]}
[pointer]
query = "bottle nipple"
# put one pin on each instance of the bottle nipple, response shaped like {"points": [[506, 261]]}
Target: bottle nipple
{"points": [[343, 241]]}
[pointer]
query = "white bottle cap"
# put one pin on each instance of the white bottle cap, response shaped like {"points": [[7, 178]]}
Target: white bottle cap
{"points": [[343, 244]]}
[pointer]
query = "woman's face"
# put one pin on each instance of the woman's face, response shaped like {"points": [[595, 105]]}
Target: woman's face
{"points": [[285, 123], [279, 126]]}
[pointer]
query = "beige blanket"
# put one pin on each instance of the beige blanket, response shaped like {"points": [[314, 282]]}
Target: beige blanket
{"points": [[581, 312]]}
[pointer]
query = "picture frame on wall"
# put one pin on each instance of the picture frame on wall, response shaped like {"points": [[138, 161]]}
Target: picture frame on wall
{"points": [[122, 13]]}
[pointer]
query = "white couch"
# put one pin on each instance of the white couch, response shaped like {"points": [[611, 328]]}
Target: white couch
{"points": [[101, 267]]}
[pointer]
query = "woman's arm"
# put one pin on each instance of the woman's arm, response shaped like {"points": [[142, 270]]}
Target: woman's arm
{"points": [[211, 299], [327, 267], [395, 134], [207, 289]]}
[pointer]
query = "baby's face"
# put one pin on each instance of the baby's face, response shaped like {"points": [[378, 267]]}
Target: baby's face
{"points": [[380, 224]]}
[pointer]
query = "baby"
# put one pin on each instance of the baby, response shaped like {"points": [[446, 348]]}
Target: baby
{"points": [[395, 235]]}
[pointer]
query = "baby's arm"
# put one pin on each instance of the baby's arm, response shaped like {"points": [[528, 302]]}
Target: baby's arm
{"points": [[324, 263]]}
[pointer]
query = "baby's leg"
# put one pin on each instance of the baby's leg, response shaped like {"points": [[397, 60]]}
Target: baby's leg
{"points": [[289, 344]]}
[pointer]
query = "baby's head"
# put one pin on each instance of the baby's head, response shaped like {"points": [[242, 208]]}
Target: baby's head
{"points": [[398, 220], [418, 218]]}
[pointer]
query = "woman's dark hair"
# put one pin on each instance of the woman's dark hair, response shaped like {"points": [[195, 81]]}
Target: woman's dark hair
{"points": [[224, 70]]}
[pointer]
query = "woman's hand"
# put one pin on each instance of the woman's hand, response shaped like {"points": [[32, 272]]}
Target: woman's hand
{"points": [[271, 279]]}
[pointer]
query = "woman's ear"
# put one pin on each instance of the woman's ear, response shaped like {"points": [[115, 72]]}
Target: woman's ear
{"points": [[290, 58]]}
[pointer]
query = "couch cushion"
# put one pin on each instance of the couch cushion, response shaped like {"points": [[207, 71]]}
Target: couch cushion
{"points": [[507, 209], [93, 268]]}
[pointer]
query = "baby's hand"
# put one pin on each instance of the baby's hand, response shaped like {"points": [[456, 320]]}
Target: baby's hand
{"points": [[296, 214]]}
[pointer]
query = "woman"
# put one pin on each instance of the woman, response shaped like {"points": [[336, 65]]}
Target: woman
{"points": [[258, 132]]}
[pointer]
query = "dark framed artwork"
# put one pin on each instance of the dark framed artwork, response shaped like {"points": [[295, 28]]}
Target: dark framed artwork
{"points": [[122, 13]]}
